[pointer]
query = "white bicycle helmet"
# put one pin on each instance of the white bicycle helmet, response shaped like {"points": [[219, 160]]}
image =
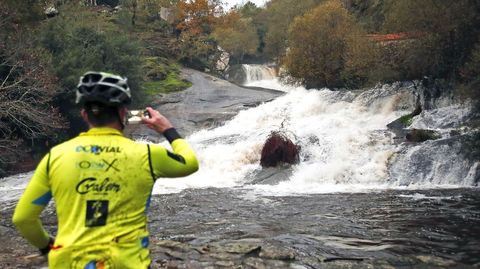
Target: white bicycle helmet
{"points": [[104, 88]]}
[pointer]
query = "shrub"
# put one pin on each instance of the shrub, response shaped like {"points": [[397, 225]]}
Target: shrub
{"points": [[327, 49]]}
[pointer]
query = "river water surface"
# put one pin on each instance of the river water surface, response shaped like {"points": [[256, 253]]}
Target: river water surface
{"points": [[386, 225]]}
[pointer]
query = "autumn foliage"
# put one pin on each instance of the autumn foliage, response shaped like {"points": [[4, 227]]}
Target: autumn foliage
{"points": [[197, 16]]}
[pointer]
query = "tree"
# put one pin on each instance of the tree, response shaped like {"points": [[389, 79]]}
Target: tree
{"points": [[470, 76], [236, 35], [194, 24], [27, 89], [248, 10], [445, 33], [280, 14], [79, 41], [324, 46], [197, 16], [131, 6]]}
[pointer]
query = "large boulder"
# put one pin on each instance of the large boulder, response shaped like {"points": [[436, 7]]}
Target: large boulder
{"points": [[279, 149]]}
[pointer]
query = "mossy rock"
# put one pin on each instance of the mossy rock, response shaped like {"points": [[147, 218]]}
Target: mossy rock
{"points": [[163, 76], [421, 135], [156, 68], [406, 120]]}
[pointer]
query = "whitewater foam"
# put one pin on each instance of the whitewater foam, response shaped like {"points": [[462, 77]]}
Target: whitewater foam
{"points": [[345, 144]]}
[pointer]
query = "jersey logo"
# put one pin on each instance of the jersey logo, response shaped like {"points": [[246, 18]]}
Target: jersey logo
{"points": [[97, 213], [97, 150], [91, 184], [104, 165]]}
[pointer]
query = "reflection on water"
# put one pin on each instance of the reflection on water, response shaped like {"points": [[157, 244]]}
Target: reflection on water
{"points": [[387, 225]]}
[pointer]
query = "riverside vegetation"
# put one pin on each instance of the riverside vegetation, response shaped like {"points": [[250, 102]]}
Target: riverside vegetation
{"points": [[319, 43]]}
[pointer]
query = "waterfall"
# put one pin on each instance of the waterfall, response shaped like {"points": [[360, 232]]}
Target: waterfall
{"points": [[263, 76], [258, 72]]}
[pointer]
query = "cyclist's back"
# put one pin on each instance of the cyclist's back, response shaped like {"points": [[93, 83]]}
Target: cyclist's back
{"points": [[101, 182]]}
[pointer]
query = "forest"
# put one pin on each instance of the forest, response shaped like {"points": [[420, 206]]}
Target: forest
{"points": [[350, 44]]}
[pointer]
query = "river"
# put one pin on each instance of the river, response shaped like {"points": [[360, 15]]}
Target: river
{"points": [[354, 201]]}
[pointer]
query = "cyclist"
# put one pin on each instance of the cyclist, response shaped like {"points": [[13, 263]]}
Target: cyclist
{"points": [[101, 182]]}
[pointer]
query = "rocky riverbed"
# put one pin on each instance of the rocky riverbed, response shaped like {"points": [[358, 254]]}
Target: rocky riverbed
{"points": [[238, 228]]}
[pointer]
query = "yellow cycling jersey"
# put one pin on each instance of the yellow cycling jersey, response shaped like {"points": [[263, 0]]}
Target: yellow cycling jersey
{"points": [[101, 182]]}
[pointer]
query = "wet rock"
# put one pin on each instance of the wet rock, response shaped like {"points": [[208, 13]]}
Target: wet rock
{"points": [[437, 261], [174, 245], [272, 175], [237, 247], [279, 149], [236, 74], [277, 253], [398, 126], [453, 116], [454, 160], [419, 135]]}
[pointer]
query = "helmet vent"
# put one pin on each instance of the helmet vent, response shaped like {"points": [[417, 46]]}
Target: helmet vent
{"points": [[111, 80], [92, 78]]}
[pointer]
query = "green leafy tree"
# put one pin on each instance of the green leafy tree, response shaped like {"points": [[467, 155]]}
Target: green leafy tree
{"points": [[79, 41], [248, 10], [443, 34], [326, 48], [279, 15]]}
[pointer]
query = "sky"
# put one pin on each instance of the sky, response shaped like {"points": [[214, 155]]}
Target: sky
{"points": [[230, 3]]}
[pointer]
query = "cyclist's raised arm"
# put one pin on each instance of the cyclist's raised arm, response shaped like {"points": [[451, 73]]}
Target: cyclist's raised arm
{"points": [[164, 163]]}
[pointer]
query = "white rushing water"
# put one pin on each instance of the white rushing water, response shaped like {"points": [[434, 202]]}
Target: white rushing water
{"points": [[265, 77], [345, 145]]}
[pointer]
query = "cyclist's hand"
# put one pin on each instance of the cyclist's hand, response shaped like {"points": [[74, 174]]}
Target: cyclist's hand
{"points": [[157, 121]]}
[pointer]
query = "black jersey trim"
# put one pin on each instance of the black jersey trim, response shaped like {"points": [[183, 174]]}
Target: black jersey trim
{"points": [[150, 163], [176, 157], [48, 164], [171, 135]]}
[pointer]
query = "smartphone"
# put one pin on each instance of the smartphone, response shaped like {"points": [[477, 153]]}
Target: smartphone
{"points": [[135, 116]]}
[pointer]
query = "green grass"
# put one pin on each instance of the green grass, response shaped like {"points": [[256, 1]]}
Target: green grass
{"points": [[406, 120], [172, 83], [162, 76]]}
